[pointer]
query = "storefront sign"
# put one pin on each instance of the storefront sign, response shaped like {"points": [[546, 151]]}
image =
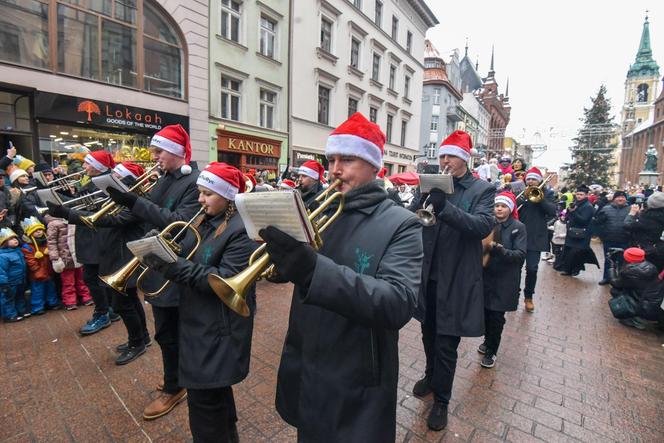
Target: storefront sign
{"points": [[300, 157], [228, 141], [400, 155], [65, 108]]}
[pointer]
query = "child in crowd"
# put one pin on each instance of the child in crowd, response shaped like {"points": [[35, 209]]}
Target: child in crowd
{"points": [[559, 229], [12, 276], [62, 252], [35, 251], [502, 274]]}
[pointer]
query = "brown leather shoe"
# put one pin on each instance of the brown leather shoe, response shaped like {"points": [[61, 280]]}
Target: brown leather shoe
{"points": [[530, 306], [163, 404], [160, 386]]}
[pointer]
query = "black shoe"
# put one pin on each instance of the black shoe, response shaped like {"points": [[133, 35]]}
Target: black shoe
{"points": [[603, 282], [437, 420], [422, 387], [40, 312], [129, 355], [13, 319], [54, 307], [113, 316], [488, 361], [123, 347], [482, 348]]}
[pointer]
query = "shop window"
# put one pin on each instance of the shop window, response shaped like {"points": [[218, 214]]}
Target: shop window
{"points": [[267, 103], [24, 33], [230, 98], [268, 36], [388, 128], [352, 106], [323, 105], [230, 20]]}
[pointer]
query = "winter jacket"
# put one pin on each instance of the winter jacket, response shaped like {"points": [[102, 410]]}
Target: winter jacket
{"points": [[559, 233], [87, 240], [535, 216], [502, 276], [579, 218], [645, 230], [632, 275], [39, 269], [309, 197], [338, 375], [57, 233], [12, 267], [610, 223]]}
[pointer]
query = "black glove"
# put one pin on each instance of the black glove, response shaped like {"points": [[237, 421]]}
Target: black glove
{"points": [[127, 199], [153, 261], [151, 233], [58, 211], [438, 199], [294, 260]]}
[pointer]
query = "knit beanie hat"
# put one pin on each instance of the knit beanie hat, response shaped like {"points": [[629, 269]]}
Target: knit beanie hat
{"points": [[16, 173], [634, 255], [656, 200]]}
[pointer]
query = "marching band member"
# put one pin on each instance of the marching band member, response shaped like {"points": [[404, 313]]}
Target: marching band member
{"points": [[451, 303], [535, 216], [215, 342], [502, 275], [287, 185], [338, 375], [311, 182], [173, 198]]}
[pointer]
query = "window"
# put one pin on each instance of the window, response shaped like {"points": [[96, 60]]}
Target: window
{"points": [[268, 101], [24, 33], [352, 106], [357, 3], [436, 96], [355, 53], [326, 34], [432, 150], [388, 128], [642, 93], [404, 126], [230, 98], [268, 35], [118, 54], [378, 13], [375, 69], [230, 20], [434, 123], [393, 75], [409, 41], [323, 105], [406, 86], [373, 114], [78, 36], [395, 27], [164, 70]]}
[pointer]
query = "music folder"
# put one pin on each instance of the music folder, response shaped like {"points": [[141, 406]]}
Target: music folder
{"points": [[106, 181], [152, 245], [441, 181], [284, 210], [49, 195]]}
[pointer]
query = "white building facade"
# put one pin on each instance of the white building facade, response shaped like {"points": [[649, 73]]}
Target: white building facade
{"points": [[472, 105], [366, 57]]}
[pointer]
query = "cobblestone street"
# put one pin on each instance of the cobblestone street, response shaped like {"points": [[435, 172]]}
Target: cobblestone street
{"points": [[568, 372]]}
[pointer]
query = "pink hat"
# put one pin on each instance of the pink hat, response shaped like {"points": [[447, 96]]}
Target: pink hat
{"points": [[100, 160], [174, 139], [312, 168], [509, 200], [223, 179], [357, 137], [457, 144], [534, 173], [287, 184], [129, 169]]}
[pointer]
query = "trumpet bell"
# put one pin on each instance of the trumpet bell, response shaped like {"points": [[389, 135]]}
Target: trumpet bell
{"points": [[426, 217], [228, 292], [119, 280]]}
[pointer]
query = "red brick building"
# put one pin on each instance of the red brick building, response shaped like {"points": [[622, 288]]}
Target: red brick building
{"points": [[499, 108]]}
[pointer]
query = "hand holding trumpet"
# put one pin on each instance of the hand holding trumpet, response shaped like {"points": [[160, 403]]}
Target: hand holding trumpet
{"points": [[294, 260]]}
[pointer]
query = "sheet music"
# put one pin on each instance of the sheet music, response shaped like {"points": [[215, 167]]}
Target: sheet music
{"points": [[441, 181], [152, 245], [278, 209], [109, 181], [48, 195]]}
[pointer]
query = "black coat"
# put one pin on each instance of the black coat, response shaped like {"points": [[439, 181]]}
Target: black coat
{"points": [[88, 241], [645, 229], [215, 342], [338, 375], [309, 197], [173, 198], [535, 216], [456, 239], [502, 275], [610, 223], [579, 218]]}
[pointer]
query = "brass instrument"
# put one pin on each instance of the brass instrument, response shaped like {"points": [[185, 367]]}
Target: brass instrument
{"points": [[232, 290], [120, 278], [534, 194], [425, 215], [61, 182], [142, 186], [488, 243]]}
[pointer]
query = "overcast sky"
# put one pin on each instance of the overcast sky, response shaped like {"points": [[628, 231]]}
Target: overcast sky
{"points": [[556, 55]]}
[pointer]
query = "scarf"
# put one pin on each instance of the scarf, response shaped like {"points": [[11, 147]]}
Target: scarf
{"points": [[364, 196]]}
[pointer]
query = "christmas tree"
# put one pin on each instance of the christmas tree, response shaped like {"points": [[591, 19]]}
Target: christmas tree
{"points": [[594, 146]]}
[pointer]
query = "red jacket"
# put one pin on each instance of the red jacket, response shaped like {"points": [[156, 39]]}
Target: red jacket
{"points": [[39, 269]]}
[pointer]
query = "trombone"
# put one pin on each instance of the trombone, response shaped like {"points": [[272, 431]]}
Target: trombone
{"points": [[533, 194], [233, 290], [120, 278], [61, 182], [83, 202], [142, 186]]}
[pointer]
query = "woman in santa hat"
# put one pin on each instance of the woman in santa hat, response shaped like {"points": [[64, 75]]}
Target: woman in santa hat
{"points": [[215, 342]]}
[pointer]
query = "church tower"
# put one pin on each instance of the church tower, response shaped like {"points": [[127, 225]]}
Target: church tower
{"points": [[641, 85]]}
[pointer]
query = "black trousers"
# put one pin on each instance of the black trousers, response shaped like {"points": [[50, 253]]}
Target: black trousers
{"points": [[532, 264], [166, 334], [212, 415], [100, 293], [440, 350], [493, 326], [130, 309]]}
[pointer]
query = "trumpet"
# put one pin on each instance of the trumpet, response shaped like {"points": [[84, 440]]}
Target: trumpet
{"points": [[425, 215], [233, 290], [142, 186], [534, 194], [59, 183], [120, 278]]}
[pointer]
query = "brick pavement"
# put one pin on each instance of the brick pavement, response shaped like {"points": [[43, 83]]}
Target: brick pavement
{"points": [[568, 372]]}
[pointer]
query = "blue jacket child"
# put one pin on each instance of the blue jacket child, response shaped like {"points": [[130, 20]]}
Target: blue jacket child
{"points": [[12, 277]]}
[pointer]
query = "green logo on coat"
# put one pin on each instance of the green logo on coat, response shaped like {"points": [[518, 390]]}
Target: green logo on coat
{"points": [[170, 202], [363, 261], [207, 253]]}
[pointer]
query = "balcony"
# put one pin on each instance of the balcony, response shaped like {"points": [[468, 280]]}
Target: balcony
{"points": [[454, 114]]}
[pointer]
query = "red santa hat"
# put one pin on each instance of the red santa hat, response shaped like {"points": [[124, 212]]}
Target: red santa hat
{"points": [[223, 179], [102, 161], [357, 137], [459, 144], [509, 200], [129, 169], [313, 169], [287, 184], [250, 182], [534, 173], [381, 173], [174, 139]]}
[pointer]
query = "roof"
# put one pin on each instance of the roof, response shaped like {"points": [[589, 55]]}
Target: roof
{"points": [[645, 124], [644, 65], [424, 12], [430, 50]]}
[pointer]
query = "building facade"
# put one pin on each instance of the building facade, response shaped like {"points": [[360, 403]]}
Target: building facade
{"points": [[365, 57], [249, 88], [473, 107], [102, 75], [499, 110]]}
